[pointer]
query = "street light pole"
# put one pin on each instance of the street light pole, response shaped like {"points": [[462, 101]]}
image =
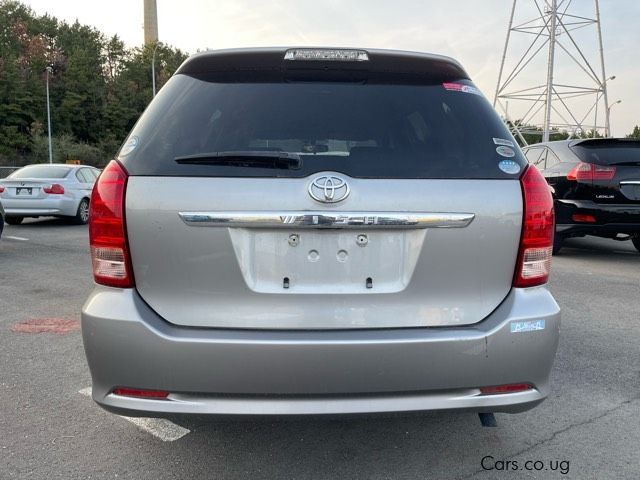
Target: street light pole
{"points": [[609, 114], [49, 70], [606, 108], [153, 69]]}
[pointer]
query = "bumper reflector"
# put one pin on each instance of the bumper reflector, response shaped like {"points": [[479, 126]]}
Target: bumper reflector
{"points": [[579, 217], [509, 388], [137, 393]]}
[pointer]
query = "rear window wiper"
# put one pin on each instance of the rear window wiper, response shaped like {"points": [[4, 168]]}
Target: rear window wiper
{"points": [[244, 159]]}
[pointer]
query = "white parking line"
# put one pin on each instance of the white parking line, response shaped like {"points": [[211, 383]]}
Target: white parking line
{"points": [[20, 239], [85, 391], [161, 428]]}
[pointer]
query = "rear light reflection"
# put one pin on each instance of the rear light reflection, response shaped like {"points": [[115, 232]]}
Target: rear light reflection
{"points": [[139, 393], [509, 388], [536, 242], [588, 172], [55, 189]]}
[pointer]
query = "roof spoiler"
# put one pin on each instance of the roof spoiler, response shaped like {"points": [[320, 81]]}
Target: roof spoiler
{"points": [[602, 142], [273, 62]]}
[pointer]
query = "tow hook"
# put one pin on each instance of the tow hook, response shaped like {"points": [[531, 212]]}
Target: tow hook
{"points": [[488, 419]]}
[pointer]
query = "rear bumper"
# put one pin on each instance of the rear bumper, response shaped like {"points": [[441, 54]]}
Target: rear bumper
{"points": [[610, 219], [40, 207], [249, 372]]}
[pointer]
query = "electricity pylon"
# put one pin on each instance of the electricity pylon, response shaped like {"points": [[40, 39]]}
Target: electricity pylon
{"points": [[568, 91]]}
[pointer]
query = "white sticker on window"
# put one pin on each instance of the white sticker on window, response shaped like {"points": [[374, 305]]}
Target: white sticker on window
{"points": [[502, 141], [505, 151], [129, 146], [528, 326]]}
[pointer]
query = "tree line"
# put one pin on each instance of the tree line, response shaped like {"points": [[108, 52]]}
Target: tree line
{"points": [[533, 134], [98, 87]]}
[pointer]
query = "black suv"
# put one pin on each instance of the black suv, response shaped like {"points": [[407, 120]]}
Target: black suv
{"points": [[595, 185]]}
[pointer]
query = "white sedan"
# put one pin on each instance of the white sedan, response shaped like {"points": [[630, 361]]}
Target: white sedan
{"points": [[40, 190]]}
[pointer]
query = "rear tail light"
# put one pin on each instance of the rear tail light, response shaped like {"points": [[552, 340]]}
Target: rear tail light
{"points": [[55, 189], [588, 172], [107, 233], [1, 188], [510, 388], [138, 393], [538, 226]]}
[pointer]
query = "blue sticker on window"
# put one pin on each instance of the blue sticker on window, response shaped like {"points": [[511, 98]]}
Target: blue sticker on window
{"points": [[509, 166], [528, 326]]}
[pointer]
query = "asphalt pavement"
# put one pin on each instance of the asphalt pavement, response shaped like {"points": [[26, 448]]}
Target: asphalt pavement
{"points": [[589, 427]]}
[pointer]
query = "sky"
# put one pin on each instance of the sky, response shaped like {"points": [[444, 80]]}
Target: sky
{"points": [[472, 31]]}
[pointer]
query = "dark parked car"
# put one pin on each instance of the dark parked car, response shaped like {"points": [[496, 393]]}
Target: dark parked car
{"points": [[595, 185]]}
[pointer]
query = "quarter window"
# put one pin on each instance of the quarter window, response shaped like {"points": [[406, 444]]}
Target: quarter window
{"points": [[537, 156], [552, 159]]}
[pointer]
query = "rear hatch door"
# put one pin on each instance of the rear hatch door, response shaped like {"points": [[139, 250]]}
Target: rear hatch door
{"points": [[404, 211]]}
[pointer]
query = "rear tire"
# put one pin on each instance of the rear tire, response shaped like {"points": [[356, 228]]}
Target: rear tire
{"points": [[13, 220], [636, 242], [558, 242], [82, 215]]}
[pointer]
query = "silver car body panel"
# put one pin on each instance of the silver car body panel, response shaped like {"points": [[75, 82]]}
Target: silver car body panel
{"points": [[39, 203], [260, 372], [260, 272]]}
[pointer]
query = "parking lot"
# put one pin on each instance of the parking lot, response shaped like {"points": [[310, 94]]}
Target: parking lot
{"points": [[49, 430]]}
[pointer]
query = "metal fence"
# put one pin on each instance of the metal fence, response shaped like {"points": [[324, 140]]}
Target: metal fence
{"points": [[5, 171]]}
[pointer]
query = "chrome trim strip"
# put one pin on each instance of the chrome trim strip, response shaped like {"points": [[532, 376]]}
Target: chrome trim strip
{"points": [[326, 219], [630, 182]]}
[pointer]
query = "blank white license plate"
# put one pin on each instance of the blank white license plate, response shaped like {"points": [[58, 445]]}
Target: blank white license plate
{"points": [[314, 261]]}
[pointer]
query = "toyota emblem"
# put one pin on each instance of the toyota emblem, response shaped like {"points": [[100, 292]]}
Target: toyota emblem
{"points": [[329, 189]]}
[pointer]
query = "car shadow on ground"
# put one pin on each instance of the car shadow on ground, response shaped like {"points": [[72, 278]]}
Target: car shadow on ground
{"points": [[599, 249], [43, 222], [381, 446]]}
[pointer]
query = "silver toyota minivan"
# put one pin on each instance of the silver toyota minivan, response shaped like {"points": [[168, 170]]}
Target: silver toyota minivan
{"points": [[320, 231]]}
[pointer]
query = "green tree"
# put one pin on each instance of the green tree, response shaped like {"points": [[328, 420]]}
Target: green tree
{"points": [[98, 86], [635, 133], [533, 134]]}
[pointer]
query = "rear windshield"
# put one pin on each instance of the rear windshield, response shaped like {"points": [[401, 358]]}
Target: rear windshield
{"points": [[359, 129], [614, 152], [40, 171]]}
